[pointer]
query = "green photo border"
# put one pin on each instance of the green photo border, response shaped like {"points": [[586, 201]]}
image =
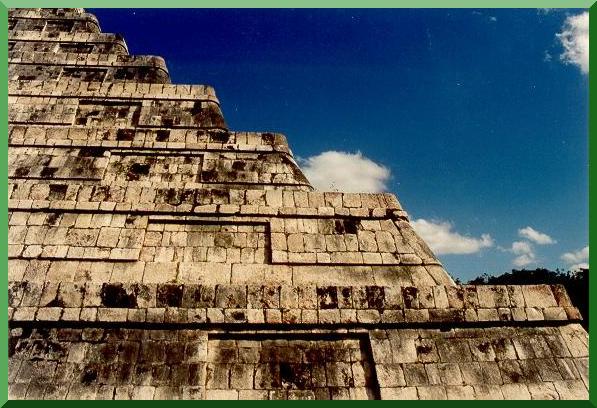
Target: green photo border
{"points": [[592, 151]]}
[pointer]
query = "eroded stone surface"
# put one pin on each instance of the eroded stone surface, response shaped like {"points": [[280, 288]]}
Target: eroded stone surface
{"points": [[156, 254]]}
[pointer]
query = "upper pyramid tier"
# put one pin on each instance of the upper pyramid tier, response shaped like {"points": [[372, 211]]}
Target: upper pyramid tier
{"points": [[57, 44], [72, 85], [93, 128]]}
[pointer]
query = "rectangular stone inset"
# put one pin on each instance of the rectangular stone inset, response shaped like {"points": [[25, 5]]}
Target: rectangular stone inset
{"points": [[206, 241], [293, 366], [152, 166], [107, 113], [85, 73], [193, 113], [342, 241], [48, 163]]}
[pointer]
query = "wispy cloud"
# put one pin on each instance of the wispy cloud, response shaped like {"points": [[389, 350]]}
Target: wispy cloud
{"points": [[342, 171], [577, 259], [544, 11], [443, 240], [574, 38], [535, 236]]}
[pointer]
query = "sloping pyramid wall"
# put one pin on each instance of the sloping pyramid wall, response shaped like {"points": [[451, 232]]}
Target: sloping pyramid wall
{"points": [[156, 254]]}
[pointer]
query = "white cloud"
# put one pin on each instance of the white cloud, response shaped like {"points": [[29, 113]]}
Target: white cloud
{"points": [[348, 172], [521, 247], [442, 240], [525, 253], [537, 237], [575, 40], [492, 18], [578, 259], [524, 260]]}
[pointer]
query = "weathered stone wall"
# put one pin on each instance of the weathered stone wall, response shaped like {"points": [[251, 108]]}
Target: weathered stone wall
{"points": [[70, 296], [154, 253], [510, 363], [492, 363]]}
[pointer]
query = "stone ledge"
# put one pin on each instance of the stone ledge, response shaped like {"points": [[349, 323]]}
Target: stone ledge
{"points": [[47, 13], [40, 15], [122, 90], [272, 202], [86, 60], [178, 303], [173, 140], [83, 38]]}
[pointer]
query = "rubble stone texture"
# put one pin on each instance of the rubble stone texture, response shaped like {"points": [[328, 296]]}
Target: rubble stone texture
{"points": [[156, 254]]}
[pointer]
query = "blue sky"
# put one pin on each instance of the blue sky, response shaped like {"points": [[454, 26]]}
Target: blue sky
{"points": [[476, 119]]}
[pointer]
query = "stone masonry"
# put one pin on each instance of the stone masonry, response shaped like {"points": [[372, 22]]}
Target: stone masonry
{"points": [[156, 254]]}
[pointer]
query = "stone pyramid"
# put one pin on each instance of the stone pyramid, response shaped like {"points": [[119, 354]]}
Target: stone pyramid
{"points": [[156, 254]]}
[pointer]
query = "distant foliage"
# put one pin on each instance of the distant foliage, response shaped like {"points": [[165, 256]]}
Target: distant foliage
{"points": [[576, 283]]}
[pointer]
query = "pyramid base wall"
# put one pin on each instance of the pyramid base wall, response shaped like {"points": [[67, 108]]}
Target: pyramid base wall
{"points": [[110, 361]]}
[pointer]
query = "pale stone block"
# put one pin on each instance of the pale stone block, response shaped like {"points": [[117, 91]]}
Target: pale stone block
{"points": [[538, 296], [221, 395], [516, 392], [399, 393], [158, 272], [351, 200], [460, 392], [543, 391], [367, 242]]}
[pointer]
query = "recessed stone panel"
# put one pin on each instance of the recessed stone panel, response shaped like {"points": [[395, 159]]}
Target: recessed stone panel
{"points": [[212, 242], [58, 163], [290, 367], [152, 166], [93, 113]]}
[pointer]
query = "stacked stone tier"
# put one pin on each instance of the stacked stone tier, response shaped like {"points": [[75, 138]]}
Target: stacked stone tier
{"points": [[156, 254]]}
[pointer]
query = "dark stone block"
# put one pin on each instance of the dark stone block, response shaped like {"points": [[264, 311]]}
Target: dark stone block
{"points": [[410, 296], [446, 315], [295, 376], [57, 191], [225, 355], [327, 297], [137, 170], [345, 297], [169, 295], [152, 351], [160, 375], [115, 295], [108, 352], [142, 374], [127, 352], [179, 374], [90, 374], [68, 334], [375, 297], [174, 353], [123, 373], [125, 134], [162, 135], [196, 376]]}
